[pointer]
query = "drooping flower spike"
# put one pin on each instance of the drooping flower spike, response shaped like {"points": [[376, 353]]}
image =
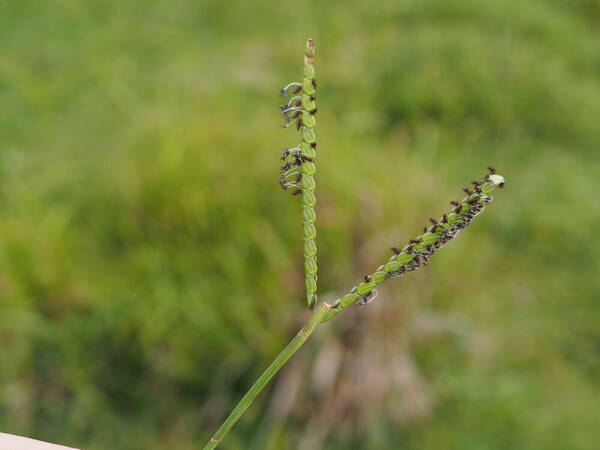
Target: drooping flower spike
{"points": [[418, 250], [298, 163]]}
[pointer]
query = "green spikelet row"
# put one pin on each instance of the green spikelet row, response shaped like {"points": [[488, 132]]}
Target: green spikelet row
{"points": [[418, 251], [298, 170]]}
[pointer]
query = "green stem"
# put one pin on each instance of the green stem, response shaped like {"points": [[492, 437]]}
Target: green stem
{"points": [[266, 376]]}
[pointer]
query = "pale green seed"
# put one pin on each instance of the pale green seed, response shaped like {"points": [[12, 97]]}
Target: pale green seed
{"points": [[420, 247], [310, 248], [364, 288], [309, 214], [308, 168], [392, 266], [311, 284], [453, 218], [308, 150], [310, 231], [308, 182], [405, 258], [307, 86], [379, 277], [349, 299], [310, 265], [308, 120], [308, 135], [430, 238], [309, 198], [307, 103]]}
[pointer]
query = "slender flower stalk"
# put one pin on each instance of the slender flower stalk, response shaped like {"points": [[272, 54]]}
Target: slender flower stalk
{"points": [[299, 168], [418, 250], [266, 376]]}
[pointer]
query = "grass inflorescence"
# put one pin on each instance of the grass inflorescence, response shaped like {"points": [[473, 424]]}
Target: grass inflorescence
{"points": [[417, 251], [298, 169], [297, 174]]}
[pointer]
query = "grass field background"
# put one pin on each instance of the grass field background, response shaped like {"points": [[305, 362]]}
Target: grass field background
{"points": [[150, 267]]}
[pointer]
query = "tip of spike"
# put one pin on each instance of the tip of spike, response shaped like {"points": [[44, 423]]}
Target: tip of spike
{"points": [[496, 179], [492, 182], [310, 49]]}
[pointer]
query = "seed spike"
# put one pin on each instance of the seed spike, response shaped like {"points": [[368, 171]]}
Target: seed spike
{"points": [[298, 162], [419, 250]]}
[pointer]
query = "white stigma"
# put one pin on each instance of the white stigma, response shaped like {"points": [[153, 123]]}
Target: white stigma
{"points": [[496, 179]]}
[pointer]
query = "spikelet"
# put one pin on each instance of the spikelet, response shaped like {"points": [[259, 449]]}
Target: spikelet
{"points": [[418, 250], [298, 169]]}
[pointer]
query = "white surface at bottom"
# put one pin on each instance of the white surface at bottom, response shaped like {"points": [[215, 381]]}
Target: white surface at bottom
{"points": [[11, 442]]}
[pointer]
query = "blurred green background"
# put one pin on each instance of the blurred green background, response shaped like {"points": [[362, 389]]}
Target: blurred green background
{"points": [[150, 267]]}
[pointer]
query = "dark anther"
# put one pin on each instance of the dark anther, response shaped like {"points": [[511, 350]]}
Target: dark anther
{"points": [[312, 98], [454, 203], [395, 250], [368, 298], [297, 89], [475, 183], [433, 221], [445, 218], [298, 124], [367, 278], [413, 241], [491, 169], [313, 145], [501, 185], [314, 83], [467, 191], [314, 111], [297, 192]]}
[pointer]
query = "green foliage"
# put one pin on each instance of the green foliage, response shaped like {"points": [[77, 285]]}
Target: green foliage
{"points": [[150, 267]]}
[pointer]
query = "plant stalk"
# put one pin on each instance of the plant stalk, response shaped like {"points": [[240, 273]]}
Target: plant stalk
{"points": [[266, 376]]}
